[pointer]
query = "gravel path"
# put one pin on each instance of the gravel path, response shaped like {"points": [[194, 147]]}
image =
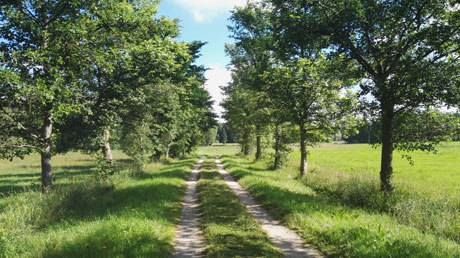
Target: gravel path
{"points": [[288, 241], [189, 238]]}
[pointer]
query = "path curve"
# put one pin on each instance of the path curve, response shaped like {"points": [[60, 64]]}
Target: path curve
{"points": [[288, 241], [188, 241]]}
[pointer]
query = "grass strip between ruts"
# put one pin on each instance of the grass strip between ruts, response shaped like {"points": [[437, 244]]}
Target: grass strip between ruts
{"points": [[229, 229]]}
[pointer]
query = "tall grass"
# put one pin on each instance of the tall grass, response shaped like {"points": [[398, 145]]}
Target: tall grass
{"points": [[132, 215], [438, 216], [344, 214], [427, 195]]}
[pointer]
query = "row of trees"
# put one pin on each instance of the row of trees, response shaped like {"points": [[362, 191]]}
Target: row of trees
{"points": [[73, 72], [220, 134], [322, 65]]}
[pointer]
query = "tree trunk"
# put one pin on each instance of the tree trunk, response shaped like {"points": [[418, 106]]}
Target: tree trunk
{"points": [[167, 151], [386, 168], [259, 148], [303, 151], [246, 143], [107, 149], [46, 154], [246, 149], [276, 164]]}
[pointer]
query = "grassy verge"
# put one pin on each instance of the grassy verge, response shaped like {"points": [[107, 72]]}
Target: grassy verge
{"points": [[336, 228], [427, 194], [229, 230], [133, 215]]}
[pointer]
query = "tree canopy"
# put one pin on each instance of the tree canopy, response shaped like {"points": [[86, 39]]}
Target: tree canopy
{"points": [[402, 57], [98, 66]]}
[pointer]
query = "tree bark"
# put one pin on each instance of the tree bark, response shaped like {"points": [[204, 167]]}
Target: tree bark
{"points": [[107, 149], [167, 151], [303, 151], [386, 168], [246, 149], [47, 129], [246, 143], [258, 147]]}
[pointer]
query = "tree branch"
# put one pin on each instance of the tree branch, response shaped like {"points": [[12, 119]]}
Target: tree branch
{"points": [[19, 124]]}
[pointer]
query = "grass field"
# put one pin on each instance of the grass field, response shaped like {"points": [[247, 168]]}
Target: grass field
{"points": [[218, 150], [132, 215], [436, 175], [228, 228], [338, 206]]}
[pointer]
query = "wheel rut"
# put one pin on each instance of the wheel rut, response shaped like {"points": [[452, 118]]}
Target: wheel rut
{"points": [[288, 241], [188, 241]]}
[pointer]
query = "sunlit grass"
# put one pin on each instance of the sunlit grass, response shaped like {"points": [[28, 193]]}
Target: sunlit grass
{"points": [[339, 208], [436, 175], [132, 215], [218, 149], [335, 228], [228, 228]]}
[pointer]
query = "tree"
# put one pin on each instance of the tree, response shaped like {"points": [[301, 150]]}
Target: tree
{"points": [[293, 79], [96, 65], [41, 46], [391, 42], [113, 29], [309, 97], [250, 59], [210, 136], [284, 133], [169, 102], [238, 113], [222, 134]]}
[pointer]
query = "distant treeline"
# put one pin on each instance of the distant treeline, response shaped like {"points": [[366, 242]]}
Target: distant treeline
{"points": [[221, 134]]}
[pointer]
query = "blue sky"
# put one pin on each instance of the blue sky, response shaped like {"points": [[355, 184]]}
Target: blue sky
{"points": [[205, 20]]}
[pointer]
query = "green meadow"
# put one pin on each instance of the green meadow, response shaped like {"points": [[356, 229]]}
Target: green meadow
{"points": [[338, 206], [433, 174], [131, 215]]}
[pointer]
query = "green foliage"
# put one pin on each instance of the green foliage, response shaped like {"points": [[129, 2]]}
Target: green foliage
{"points": [[309, 97], [248, 107], [365, 132], [98, 66], [423, 130], [210, 136], [224, 135], [389, 43], [103, 170], [41, 55], [239, 113], [271, 85], [284, 134]]}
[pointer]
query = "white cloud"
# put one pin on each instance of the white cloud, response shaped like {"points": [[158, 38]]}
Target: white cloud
{"points": [[217, 76], [206, 10]]}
